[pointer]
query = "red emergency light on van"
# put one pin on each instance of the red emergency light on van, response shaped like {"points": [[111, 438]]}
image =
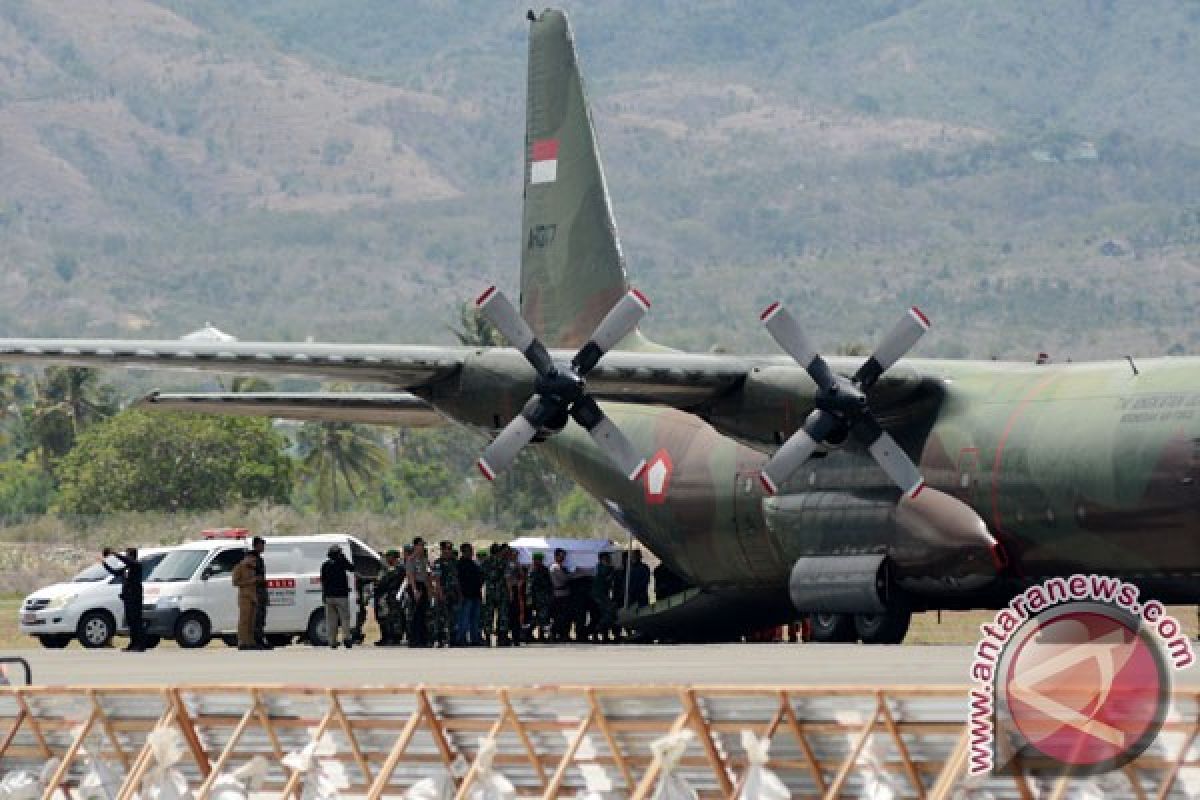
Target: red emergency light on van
{"points": [[225, 533]]}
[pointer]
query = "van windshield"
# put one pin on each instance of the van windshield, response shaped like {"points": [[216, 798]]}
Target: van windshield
{"points": [[178, 566]]}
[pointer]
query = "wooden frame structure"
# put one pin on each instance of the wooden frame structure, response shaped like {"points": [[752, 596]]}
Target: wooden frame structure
{"points": [[553, 741]]}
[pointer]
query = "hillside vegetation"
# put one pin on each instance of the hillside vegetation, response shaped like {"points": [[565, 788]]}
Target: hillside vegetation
{"points": [[287, 168]]}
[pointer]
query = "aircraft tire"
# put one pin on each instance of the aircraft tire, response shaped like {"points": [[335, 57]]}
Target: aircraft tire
{"points": [[832, 628], [890, 627]]}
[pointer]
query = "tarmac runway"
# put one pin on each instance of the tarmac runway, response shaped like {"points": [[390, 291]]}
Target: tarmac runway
{"points": [[770, 664]]}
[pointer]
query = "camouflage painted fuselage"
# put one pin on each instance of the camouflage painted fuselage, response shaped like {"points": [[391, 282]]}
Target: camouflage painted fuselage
{"points": [[1083, 467]]}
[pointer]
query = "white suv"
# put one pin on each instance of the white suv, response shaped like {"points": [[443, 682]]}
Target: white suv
{"points": [[88, 607]]}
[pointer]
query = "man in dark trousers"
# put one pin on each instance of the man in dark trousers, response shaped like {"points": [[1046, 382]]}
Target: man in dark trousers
{"points": [[335, 591], [262, 599], [639, 582], [470, 583], [130, 574]]}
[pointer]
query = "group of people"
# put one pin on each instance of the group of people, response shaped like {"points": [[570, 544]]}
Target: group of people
{"points": [[456, 599], [461, 599]]}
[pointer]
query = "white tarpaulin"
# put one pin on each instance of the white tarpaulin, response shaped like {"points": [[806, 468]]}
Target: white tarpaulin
{"points": [[581, 553]]}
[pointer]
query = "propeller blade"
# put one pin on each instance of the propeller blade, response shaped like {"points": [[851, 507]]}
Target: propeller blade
{"points": [[900, 340], [620, 321], [608, 437], [500, 454], [895, 462], [497, 309], [786, 331], [796, 450]]}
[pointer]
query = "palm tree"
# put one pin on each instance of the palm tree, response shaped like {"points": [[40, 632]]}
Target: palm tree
{"points": [[336, 453], [65, 401], [78, 393]]}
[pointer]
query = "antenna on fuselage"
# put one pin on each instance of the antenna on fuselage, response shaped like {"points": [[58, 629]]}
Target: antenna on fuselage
{"points": [[1132, 365]]}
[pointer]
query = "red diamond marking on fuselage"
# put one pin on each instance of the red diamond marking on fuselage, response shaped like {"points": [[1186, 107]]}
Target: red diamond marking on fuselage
{"points": [[658, 477]]}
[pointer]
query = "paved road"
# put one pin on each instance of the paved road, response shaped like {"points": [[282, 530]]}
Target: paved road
{"points": [[722, 663]]}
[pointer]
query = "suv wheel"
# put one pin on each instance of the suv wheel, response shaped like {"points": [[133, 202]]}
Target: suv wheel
{"points": [[96, 629], [54, 641], [193, 630]]}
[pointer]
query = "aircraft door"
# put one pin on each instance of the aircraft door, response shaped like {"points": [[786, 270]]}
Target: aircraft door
{"points": [[753, 536]]}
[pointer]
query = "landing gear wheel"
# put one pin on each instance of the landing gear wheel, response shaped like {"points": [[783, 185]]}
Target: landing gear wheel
{"points": [[55, 641], [889, 627], [832, 628], [193, 630]]}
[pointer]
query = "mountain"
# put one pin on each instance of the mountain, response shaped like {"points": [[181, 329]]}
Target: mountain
{"points": [[1025, 171]]}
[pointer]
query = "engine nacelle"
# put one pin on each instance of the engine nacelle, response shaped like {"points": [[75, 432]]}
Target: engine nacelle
{"points": [[840, 584]]}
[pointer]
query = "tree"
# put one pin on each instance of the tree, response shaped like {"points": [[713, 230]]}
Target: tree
{"points": [[335, 453], [65, 401], [79, 393], [138, 461]]}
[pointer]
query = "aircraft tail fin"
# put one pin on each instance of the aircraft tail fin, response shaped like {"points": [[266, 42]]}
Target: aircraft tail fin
{"points": [[572, 267]]}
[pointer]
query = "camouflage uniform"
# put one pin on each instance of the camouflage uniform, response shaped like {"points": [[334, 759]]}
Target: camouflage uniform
{"points": [[514, 594], [495, 597], [448, 596], [539, 594], [364, 588], [388, 611], [487, 609]]}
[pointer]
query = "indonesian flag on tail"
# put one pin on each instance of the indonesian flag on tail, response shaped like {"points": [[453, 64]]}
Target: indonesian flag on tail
{"points": [[543, 161]]}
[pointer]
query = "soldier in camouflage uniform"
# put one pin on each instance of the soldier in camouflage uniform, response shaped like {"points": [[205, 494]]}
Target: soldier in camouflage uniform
{"points": [[447, 595], [364, 588], [388, 612], [539, 594], [514, 595], [492, 589]]}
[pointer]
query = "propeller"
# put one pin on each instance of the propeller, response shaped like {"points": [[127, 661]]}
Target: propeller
{"points": [[841, 403], [560, 389]]}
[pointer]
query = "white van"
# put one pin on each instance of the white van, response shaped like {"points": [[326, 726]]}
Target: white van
{"points": [[190, 596], [87, 608]]}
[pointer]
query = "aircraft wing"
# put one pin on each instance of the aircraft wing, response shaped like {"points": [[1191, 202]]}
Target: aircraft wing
{"points": [[676, 379], [372, 408], [483, 377], [402, 366]]}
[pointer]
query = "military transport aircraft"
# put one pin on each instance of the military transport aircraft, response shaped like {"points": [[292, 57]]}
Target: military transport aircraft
{"points": [[773, 485]]}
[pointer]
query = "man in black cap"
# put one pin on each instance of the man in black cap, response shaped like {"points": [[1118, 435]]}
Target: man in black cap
{"points": [[335, 591], [130, 574]]}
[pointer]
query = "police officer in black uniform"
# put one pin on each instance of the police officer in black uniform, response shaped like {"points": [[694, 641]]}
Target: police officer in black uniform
{"points": [[130, 574]]}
